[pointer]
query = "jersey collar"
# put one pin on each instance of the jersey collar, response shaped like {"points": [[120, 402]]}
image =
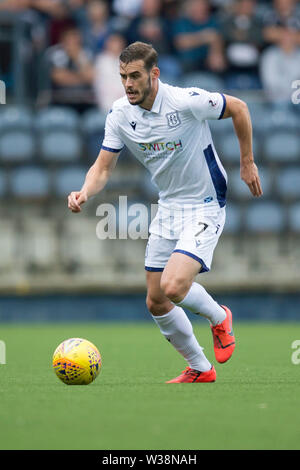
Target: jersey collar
{"points": [[158, 99]]}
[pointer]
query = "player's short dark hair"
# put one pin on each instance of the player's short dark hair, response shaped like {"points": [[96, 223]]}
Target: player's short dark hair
{"points": [[140, 51]]}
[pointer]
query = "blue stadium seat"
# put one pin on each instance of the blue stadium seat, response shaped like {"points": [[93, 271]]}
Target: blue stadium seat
{"points": [[264, 217], [256, 109], [283, 117], [240, 190], [233, 219], [61, 146], [15, 117], [93, 124], [93, 120], [17, 146], [57, 117], [267, 119], [170, 68], [3, 183], [288, 182], [229, 149], [294, 217], [69, 179], [219, 127], [282, 146], [242, 81], [205, 80], [260, 117], [170, 79], [29, 182]]}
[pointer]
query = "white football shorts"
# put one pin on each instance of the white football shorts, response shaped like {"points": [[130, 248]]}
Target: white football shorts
{"points": [[193, 231]]}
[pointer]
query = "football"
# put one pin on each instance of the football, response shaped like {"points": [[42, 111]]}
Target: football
{"points": [[77, 361]]}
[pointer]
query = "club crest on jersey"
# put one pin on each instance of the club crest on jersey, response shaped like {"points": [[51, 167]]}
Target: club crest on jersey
{"points": [[173, 119]]}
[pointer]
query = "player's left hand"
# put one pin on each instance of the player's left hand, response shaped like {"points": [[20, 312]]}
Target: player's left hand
{"points": [[249, 174]]}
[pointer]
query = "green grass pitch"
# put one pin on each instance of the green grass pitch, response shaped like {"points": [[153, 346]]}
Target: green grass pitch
{"points": [[254, 404]]}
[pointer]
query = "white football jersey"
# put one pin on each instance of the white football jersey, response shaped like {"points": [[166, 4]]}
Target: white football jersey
{"points": [[173, 141]]}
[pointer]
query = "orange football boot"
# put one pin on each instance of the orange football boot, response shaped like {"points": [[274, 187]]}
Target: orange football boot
{"points": [[224, 341], [194, 376]]}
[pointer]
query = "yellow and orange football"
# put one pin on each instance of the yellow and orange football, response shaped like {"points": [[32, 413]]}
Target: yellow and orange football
{"points": [[77, 361]]}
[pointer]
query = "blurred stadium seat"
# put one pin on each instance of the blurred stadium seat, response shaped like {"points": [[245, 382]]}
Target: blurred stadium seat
{"points": [[229, 149], [39, 243], [233, 219], [93, 124], [288, 182], [69, 179], [93, 120], [80, 249], [205, 80], [242, 81], [260, 117], [130, 255], [219, 128], [3, 183], [8, 243], [60, 146], [29, 181], [239, 189], [17, 146], [57, 118], [15, 117], [264, 217], [126, 177], [170, 79], [294, 217], [282, 146], [267, 118], [283, 117]]}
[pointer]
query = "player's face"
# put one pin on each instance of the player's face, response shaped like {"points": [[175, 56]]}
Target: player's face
{"points": [[137, 81]]}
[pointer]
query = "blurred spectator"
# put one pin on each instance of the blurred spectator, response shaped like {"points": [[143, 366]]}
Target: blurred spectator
{"points": [[75, 5], [242, 32], [197, 38], [97, 27], [280, 66], [46, 18], [285, 14], [107, 84], [14, 5], [151, 27], [78, 13], [54, 14], [221, 5], [71, 70], [127, 9], [170, 9]]}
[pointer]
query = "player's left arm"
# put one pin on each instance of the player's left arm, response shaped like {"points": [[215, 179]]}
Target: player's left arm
{"points": [[238, 111]]}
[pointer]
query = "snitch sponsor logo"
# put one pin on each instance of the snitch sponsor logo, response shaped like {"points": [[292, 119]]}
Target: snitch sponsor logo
{"points": [[161, 146]]}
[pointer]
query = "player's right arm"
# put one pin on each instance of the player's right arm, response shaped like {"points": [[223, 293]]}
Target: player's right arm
{"points": [[95, 180], [100, 171]]}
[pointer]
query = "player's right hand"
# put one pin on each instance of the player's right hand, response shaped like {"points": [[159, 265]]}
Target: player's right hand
{"points": [[75, 199]]}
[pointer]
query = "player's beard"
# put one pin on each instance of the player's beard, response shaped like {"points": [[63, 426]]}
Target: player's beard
{"points": [[146, 93]]}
